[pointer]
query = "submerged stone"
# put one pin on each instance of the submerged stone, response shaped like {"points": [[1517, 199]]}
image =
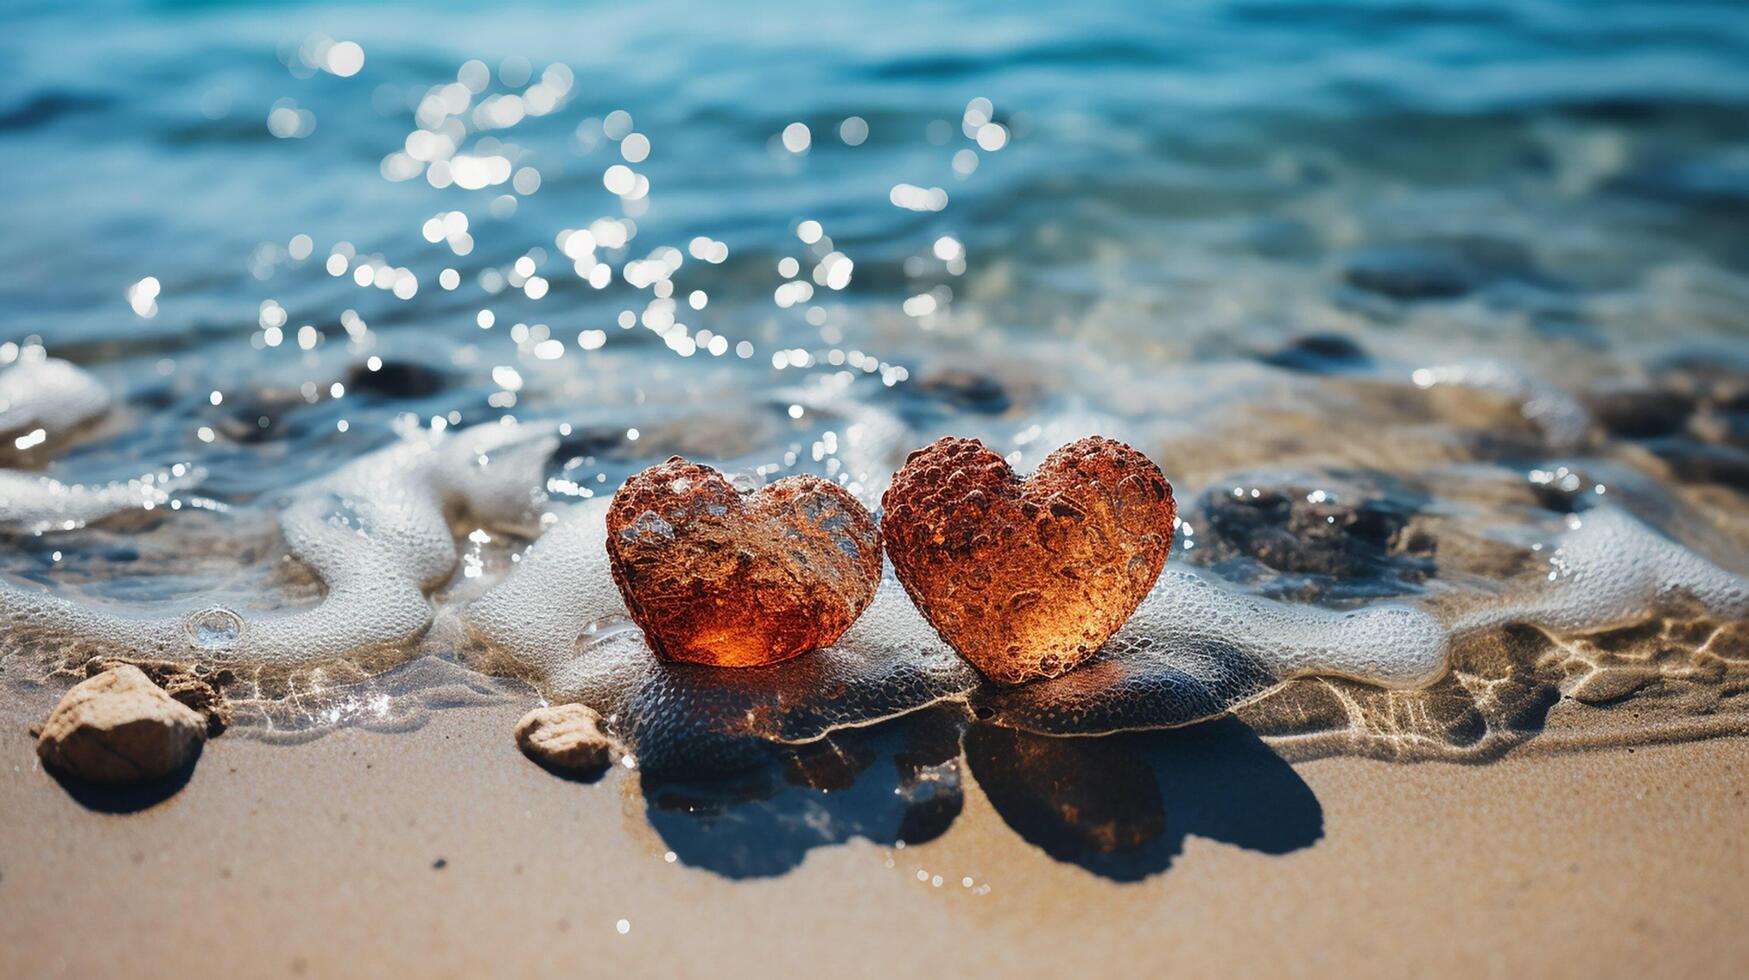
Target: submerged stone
{"points": [[1315, 536], [1318, 353], [1440, 269]]}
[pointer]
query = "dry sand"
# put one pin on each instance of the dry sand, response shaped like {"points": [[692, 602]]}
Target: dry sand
{"points": [[444, 852]]}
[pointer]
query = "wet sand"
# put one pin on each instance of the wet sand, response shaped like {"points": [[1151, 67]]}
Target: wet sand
{"points": [[443, 852]]}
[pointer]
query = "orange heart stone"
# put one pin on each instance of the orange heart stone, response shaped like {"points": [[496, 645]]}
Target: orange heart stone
{"points": [[731, 579], [1027, 578]]}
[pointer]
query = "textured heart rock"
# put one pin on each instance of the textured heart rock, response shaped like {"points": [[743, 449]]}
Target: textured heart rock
{"points": [[1027, 578], [731, 579]]}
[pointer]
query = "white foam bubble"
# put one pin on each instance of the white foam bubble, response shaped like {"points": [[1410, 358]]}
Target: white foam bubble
{"points": [[1613, 569], [1389, 645], [37, 504], [50, 394], [43, 400], [560, 591], [376, 535]]}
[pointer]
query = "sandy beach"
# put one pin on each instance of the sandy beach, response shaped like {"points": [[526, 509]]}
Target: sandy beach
{"points": [[442, 851]]}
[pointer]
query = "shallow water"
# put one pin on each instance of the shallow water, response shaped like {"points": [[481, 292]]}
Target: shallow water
{"points": [[1434, 314]]}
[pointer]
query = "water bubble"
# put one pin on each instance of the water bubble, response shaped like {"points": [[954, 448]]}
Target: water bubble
{"points": [[216, 628]]}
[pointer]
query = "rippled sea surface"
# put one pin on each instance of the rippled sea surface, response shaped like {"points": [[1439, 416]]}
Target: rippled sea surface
{"points": [[1436, 315]]}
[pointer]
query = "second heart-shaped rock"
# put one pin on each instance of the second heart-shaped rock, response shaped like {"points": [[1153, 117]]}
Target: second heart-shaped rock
{"points": [[1027, 578], [716, 576]]}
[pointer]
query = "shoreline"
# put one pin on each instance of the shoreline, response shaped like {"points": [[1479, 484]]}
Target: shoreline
{"points": [[443, 850]]}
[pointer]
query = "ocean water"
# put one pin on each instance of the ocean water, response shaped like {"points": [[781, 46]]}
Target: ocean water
{"points": [[327, 331]]}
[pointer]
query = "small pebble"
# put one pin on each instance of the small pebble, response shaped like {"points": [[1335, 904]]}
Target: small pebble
{"points": [[567, 737]]}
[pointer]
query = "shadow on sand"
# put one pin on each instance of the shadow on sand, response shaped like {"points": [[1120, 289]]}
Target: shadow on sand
{"points": [[898, 781], [125, 797], [1119, 806], [1122, 805]]}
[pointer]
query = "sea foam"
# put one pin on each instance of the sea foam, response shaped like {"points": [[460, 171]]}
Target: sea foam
{"points": [[44, 403], [50, 394], [375, 533]]}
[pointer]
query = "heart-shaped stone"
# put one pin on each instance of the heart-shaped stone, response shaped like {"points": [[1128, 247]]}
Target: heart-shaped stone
{"points": [[717, 576], [1027, 578]]}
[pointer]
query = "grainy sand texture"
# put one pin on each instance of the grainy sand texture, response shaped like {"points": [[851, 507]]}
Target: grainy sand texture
{"points": [[443, 852]]}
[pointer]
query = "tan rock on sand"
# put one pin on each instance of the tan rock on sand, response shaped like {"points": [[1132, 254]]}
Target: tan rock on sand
{"points": [[189, 685], [120, 727], [566, 736]]}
